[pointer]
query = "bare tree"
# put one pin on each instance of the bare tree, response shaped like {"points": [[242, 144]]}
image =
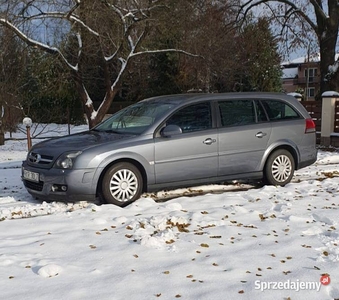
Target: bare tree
{"points": [[302, 22], [11, 62], [114, 30]]}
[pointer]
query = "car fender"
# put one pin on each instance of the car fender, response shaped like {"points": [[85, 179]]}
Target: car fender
{"points": [[129, 156], [281, 144]]}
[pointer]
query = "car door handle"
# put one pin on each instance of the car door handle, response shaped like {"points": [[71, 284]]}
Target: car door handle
{"points": [[260, 134], [209, 141]]}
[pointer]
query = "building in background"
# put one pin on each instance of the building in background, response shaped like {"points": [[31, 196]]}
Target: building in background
{"points": [[302, 75]]}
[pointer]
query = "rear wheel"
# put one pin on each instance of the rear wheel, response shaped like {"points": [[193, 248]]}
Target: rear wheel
{"points": [[279, 168], [122, 184]]}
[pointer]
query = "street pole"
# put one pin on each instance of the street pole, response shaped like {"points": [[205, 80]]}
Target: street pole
{"points": [[28, 123]]}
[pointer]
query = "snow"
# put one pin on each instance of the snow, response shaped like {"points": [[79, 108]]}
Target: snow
{"points": [[315, 57], [330, 94], [289, 73], [296, 95], [235, 241]]}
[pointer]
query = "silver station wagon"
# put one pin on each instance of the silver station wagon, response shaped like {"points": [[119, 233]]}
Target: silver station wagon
{"points": [[175, 141]]}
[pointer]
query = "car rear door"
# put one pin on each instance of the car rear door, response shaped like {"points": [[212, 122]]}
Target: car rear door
{"points": [[244, 132], [191, 155]]}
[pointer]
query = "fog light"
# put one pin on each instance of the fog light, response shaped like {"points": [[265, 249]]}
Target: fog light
{"points": [[59, 188]]}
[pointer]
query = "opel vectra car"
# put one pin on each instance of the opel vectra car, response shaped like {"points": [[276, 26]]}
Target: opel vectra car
{"points": [[174, 141]]}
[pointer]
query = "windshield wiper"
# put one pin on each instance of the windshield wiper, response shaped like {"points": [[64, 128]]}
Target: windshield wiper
{"points": [[112, 131], [107, 130]]}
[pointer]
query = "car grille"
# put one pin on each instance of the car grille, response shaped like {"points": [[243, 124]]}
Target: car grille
{"points": [[35, 158], [36, 186]]}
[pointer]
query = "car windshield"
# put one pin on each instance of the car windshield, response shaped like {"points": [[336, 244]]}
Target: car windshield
{"points": [[134, 119]]}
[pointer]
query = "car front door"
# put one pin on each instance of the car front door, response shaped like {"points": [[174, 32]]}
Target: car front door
{"points": [[192, 154], [244, 132]]}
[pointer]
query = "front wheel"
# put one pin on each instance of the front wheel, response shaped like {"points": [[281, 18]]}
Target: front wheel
{"points": [[279, 168], [122, 184]]}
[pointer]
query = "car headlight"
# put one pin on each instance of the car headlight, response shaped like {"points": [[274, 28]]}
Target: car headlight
{"points": [[66, 160]]}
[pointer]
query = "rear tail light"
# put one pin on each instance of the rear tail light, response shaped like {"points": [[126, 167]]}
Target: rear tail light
{"points": [[310, 126]]}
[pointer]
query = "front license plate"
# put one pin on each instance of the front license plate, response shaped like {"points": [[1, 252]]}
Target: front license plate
{"points": [[32, 176]]}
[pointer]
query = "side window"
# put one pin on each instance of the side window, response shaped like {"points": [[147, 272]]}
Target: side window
{"points": [[237, 112], [278, 110], [192, 118]]}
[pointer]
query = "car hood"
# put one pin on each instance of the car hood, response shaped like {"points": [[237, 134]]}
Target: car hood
{"points": [[79, 141]]}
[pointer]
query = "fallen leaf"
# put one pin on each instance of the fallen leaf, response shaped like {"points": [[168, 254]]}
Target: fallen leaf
{"points": [[262, 218]]}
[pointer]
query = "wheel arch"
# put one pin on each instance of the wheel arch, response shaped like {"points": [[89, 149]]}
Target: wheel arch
{"points": [[126, 160], [287, 147]]}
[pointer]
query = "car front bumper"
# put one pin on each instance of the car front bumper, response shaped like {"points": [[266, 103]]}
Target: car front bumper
{"points": [[77, 184]]}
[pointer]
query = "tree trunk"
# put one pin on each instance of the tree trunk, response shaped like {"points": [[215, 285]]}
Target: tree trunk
{"points": [[2, 134], [95, 117], [327, 83], [2, 131], [327, 58], [327, 33]]}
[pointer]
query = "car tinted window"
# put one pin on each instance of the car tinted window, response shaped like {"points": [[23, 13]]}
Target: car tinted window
{"points": [[192, 118], [237, 112], [278, 110]]}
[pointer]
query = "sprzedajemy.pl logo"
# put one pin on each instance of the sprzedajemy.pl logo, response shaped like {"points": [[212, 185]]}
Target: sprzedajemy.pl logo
{"points": [[296, 285]]}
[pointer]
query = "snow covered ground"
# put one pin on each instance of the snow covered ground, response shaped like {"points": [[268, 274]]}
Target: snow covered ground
{"points": [[230, 242]]}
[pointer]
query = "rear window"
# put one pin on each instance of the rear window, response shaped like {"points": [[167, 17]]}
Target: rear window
{"points": [[278, 110]]}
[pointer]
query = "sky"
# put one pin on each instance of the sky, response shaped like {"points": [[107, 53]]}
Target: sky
{"points": [[234, 241]]}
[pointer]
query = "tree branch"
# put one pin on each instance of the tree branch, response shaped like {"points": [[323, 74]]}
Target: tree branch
{"points": [[249, 5], [34, 43]]}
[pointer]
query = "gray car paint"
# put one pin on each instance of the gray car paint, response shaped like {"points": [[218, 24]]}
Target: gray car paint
{"points": [[181, 160]]}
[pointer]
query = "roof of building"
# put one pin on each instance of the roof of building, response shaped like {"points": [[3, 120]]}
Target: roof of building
{"points": [[315, 57], [289, 72], [303, 59]]}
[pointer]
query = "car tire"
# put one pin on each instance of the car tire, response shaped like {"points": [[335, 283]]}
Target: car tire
{"points": [[122, 184], [279, 168]]}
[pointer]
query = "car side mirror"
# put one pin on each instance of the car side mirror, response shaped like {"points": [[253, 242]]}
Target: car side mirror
{"points": [[171, 130]]}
